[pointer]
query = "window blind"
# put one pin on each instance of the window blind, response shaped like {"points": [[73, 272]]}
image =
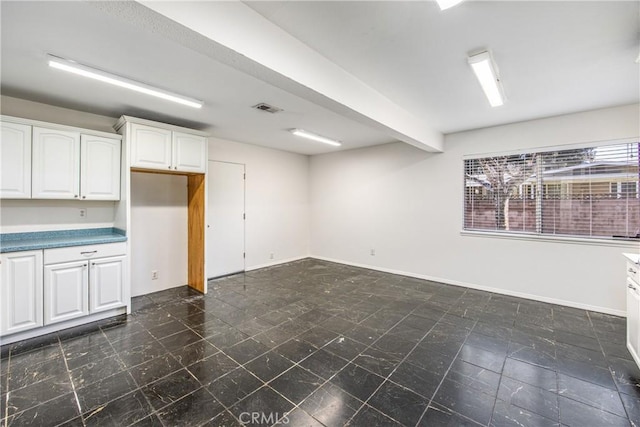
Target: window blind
{"points": [[587, 192]]}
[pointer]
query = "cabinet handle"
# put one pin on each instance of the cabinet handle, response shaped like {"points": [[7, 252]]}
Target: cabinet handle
{"points": [[88, 252], [631, 287], [631, 270], [93, 263], [85, 266], [75, 196], [169, 167], [175, 167], [84, 197]]}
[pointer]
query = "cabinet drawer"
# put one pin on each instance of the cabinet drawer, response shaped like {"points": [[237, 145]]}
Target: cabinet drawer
{"points": [[633, 271], [75, 253]]}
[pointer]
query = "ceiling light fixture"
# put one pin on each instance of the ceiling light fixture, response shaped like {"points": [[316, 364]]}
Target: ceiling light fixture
{"points": [[487, 73], [315, 137], [103, 76], [446, 4]]}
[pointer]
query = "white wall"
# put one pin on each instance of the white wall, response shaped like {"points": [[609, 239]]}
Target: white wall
{"points": [[20, 216], [158, 235], [407, 205], [17, 107], [276, 201]]}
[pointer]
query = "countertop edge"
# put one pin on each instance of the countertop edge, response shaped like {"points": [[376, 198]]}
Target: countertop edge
{"points": [[52, 245]]}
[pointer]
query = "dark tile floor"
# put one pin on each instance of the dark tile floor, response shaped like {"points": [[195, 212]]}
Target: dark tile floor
{"points": [[331, 345]]}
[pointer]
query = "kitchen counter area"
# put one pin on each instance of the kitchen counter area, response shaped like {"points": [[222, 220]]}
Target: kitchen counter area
{"points": [[17, 242]]}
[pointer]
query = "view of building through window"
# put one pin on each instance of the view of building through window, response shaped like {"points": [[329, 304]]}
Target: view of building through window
{"points": [[587, 192]]}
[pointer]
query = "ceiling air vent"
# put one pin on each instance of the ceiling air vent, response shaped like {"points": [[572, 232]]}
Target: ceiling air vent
{"points": [[266, 107]]}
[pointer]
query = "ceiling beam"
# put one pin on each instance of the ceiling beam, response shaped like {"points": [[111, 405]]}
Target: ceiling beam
{"points": [[234, 34]]}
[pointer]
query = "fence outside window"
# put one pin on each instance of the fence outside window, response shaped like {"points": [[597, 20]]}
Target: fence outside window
{"points": [[591, 191]]}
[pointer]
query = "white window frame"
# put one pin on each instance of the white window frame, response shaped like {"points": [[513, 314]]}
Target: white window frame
{"points": [[554, 238]]}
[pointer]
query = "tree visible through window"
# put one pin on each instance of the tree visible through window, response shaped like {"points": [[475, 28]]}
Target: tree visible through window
{"points": [[588, 192]]}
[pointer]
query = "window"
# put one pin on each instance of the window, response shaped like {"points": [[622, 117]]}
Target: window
{"points": [[585, 192]]}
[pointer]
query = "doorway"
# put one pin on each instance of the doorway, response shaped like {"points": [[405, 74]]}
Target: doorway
{"points": [[225, 218]]}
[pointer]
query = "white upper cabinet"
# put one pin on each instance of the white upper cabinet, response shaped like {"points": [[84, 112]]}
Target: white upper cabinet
{"points": [[99, 168], [150, 147], [164, 149], [189, 152], [15, 161], [50, 163], [56, 164]]}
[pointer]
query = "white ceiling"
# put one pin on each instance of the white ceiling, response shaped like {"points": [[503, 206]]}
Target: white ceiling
{"points": [[554, 58]]}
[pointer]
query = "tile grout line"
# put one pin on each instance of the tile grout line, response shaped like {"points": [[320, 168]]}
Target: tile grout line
{"points": [[73, 386], [447, 371], [5, 418]]}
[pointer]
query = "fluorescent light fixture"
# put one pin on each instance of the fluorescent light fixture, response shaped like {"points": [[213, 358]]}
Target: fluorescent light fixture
{"points": [[315, 137], [446, 4], [487, 74], [93, 73]]}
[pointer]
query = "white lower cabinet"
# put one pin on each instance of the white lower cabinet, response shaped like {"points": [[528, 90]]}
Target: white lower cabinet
{"points": [[21, 291], [106, 284], [66, 289], [83, 280], [633, 310]]}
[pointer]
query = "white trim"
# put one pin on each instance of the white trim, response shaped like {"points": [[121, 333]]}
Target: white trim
{"points": [[480, 287], [628, 244], [38, 123], [129, 119], [557, 147], [57, 327], [281, 261]]}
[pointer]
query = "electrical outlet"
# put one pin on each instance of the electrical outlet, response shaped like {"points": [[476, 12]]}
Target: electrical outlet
{"points": [[373, 252], [83, 213], [271, 255], [154, 274]]}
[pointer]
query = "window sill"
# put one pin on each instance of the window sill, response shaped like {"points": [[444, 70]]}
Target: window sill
{"points": [[619, 243]]}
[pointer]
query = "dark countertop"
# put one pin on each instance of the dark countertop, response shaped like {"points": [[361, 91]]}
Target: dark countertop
{"points": [[15, 242]]}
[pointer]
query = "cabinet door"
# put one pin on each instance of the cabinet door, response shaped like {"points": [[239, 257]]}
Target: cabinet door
{"points": [[15, 161], [56, 164], [66, 291], [99, 168], [106, 280], [189, 152], [150, 147], [633, 319], [21, 291]]}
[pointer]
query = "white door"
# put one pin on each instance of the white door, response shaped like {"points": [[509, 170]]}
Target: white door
{"points": [[189, 152], [66, 291], [15, 161], [225, 218], [21, 291], [99, 168], [56, 164], [150, 147], [106, 289]]}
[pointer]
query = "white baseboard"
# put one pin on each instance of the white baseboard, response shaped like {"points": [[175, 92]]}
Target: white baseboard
{"points": [[573, 304], [278, 262], [43, 330]]}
